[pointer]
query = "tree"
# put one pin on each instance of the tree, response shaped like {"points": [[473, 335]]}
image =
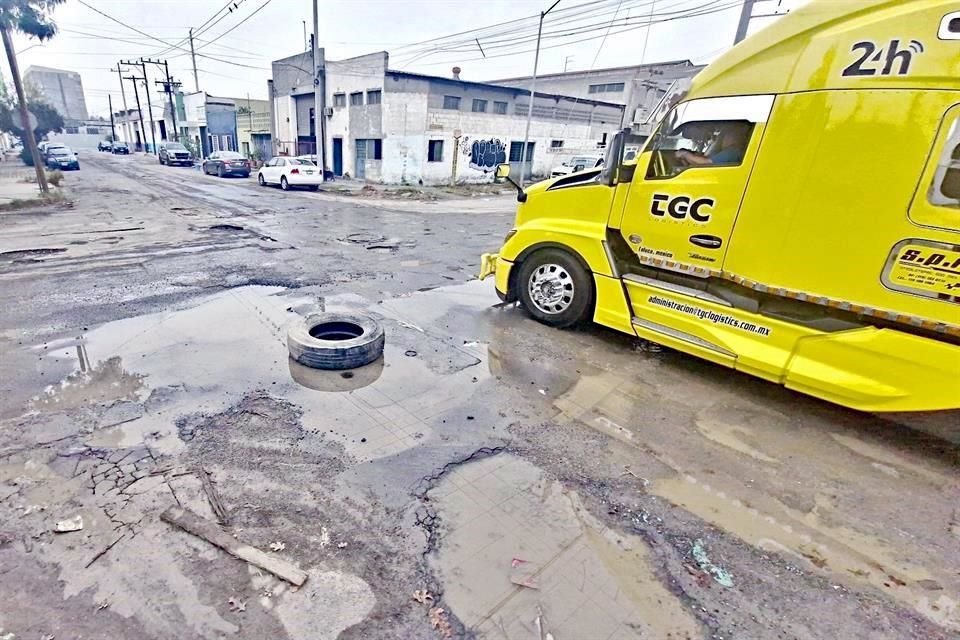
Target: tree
{"points": [[48, 118], [32, 18]]}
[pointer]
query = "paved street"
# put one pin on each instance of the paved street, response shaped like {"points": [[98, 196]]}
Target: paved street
{"points": [[490, 478]]}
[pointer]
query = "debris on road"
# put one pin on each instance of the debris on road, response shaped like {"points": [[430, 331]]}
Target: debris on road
{"points": [[422, 596], [720, 575], [237, 605], [277, 546], [70, 524], [524, 573], [104, 551], [202, 528], [439, 621], [213, 497]]}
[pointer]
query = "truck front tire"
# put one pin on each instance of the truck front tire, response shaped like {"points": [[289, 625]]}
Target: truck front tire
{"points": [[555, 288]]}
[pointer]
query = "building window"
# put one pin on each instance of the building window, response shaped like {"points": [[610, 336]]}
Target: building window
{"points": [[451, 102], [374, 148], [435, 149], [339, 100], [500, 108], [373, 97], [613, 87], [93, 131], [71, 130], [556, 145], [479, 106], [516, 151], [356, 99]]}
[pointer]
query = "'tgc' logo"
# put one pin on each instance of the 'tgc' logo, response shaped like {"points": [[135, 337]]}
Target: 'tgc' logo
{"points": [[680, 206]]}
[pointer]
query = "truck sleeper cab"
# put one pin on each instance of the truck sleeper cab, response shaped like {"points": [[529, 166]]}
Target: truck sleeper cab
{"points": [[795, 216]]}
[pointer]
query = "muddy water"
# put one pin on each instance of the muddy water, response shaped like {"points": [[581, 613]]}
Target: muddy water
{"points": [[825, 488], [505, 522], [203, 359]]}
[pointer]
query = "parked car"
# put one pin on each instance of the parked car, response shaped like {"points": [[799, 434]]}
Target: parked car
{"points": [[171, 153], [62, 158], [226, 163], [104, 145], [578, 163], [120, 147], [49, 147], [327, 173], [290, 172]]}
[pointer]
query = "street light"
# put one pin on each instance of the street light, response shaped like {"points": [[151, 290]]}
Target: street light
{"points": [[533, 84]]}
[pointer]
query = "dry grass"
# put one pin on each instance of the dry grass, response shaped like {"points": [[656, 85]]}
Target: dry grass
{"points": [[54, 197], [55, 177]]}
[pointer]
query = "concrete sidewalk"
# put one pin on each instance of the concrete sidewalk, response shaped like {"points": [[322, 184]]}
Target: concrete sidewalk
{"points": [[14, 183]]}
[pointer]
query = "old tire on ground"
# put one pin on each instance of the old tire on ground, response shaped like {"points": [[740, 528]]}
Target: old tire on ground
{"points": [[555, 288], [335, 340]]}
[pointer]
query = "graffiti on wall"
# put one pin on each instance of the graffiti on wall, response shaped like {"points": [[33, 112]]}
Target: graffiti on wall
{"points": [[485, 155]]}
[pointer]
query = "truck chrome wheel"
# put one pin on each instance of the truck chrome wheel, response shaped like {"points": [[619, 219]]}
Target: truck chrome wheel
{"points": [[551, 288]]}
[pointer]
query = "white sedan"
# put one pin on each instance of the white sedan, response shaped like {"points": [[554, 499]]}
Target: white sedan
{"points": [[290, 172]]}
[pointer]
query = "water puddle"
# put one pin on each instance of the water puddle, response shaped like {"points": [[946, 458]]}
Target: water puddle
{"points": [[206, 358], [842, 551], [506, 525]]}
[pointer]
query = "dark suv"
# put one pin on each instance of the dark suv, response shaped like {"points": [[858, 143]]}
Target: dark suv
{"points": [[171, 153]]}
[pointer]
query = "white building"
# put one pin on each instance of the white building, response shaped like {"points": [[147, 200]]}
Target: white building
{"points": [[638, 87], [63, 90], [398, 127]]}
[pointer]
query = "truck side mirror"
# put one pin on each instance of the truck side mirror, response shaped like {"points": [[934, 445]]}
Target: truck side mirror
{"points": [[503, 171]]}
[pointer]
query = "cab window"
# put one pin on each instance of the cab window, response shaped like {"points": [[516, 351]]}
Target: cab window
{"points": [[711, 132], [945, 187]]}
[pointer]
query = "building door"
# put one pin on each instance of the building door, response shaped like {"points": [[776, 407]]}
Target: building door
{"points": [[338, 156], [361, 156]]}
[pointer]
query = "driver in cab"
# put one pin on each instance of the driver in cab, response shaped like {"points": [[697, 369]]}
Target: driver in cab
{"points": [[728, 150]]}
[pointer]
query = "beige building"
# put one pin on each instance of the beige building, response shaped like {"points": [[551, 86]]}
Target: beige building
{"points": [[253, 127]]}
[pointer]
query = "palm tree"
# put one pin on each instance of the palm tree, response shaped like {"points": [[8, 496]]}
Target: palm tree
{"points": [[30, 17]]}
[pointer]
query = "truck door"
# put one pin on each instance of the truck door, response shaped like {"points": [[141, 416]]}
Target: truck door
{"points": [[689, 182]]}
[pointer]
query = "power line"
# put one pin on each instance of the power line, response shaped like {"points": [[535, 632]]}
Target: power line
{"points": [[632, 27], [123, 24], [255, 12]]}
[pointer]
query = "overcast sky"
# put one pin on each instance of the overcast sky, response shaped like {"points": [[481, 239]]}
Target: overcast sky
{"points": [[578, 35]]}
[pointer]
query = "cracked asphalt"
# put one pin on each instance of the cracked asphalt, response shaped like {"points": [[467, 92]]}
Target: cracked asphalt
{"points": [[488, 478]]}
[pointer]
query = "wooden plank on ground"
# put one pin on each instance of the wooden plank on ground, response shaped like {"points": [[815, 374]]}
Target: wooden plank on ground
{"points": [[203, 528]]}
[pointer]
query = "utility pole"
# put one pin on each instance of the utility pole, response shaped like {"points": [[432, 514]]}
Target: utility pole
{"points": [[193, 57], [146, 85], [319, 95], [533, 84], [168, 86], [123, 95], [136, 94], [113, 127], [745, 14], [305, 43], [30, 140]]}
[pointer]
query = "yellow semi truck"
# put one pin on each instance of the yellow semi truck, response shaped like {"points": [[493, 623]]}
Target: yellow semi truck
{"points": [[795, 215]]}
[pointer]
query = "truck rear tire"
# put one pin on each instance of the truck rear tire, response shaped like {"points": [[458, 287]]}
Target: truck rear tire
{"points": [[555, 288]]}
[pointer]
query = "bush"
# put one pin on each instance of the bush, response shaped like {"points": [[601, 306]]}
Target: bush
{"points": [[26, 157], [55, 177]]}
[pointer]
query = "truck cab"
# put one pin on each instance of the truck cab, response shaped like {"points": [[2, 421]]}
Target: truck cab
{"points": [[795, 215]]}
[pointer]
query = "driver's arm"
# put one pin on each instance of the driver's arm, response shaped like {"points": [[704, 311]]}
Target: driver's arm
{"points": [[691, 157]]}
